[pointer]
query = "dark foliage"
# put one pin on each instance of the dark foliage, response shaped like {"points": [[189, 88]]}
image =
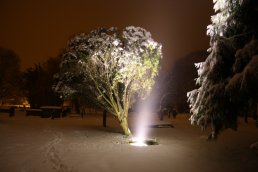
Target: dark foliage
{"points": [[9, 74], [38, 81]]}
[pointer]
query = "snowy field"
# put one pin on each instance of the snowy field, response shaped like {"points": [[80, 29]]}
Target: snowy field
{"points": [[72, 144]]}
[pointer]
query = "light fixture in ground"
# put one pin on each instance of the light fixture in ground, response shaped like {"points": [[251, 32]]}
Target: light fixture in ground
{"points": [[142, 142]]}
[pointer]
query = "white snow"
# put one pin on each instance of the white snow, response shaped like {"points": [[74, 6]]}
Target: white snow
{"points": [[72, 144]]}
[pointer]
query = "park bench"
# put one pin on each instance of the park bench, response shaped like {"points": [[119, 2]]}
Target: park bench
{"points": [[52, 111], [8, 109], [33, 112]]}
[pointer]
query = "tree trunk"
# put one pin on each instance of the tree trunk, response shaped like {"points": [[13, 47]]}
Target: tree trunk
{"points": [[124, 125], [104, 122]]}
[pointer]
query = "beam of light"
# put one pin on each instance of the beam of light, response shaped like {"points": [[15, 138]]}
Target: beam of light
{"points": [[144, 118], [142, 127]]}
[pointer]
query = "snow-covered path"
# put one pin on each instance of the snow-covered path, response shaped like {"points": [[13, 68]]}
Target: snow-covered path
{"points": [[76, 145]]}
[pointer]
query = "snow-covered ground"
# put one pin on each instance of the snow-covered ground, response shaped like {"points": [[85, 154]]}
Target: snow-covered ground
{"points": [[72, 144]]}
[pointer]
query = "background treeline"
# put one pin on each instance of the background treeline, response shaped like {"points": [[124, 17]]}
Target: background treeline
{"points": [[35, 83]]}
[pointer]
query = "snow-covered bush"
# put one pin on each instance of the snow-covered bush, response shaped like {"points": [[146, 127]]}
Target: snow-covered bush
{"points": [[110, 68]]}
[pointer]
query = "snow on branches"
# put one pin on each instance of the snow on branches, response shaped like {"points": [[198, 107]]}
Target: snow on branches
{"points": [[228, 79], [110, 68]]}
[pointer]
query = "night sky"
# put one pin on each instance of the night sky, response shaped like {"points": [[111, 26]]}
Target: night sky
{"points": [[39, 29]]}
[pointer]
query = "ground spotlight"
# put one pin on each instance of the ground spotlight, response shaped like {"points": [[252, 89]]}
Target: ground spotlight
{"points": [[143, 142]]}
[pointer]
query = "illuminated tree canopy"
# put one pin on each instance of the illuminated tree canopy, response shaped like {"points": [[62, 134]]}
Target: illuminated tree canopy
{"points": [[228, 79], [110, 68]]}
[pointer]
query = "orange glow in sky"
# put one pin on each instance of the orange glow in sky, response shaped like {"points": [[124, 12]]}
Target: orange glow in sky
{"points": [[37, 30]]}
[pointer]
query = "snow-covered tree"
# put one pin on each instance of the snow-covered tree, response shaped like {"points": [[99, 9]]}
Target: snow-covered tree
{"points": [[228, 79], [110, 68]]}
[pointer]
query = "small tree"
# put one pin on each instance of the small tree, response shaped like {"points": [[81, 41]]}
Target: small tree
{"points": [[228, 79], [112, 69]]}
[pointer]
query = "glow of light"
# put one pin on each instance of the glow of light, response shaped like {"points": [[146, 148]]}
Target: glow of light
{"points": [[141, 130], [142, 126], [138, 142]]}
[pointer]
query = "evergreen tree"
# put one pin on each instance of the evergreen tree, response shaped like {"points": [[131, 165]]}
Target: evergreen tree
{"points": [[183, 73], [228, 79], [110, 68], [38, 81]]}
